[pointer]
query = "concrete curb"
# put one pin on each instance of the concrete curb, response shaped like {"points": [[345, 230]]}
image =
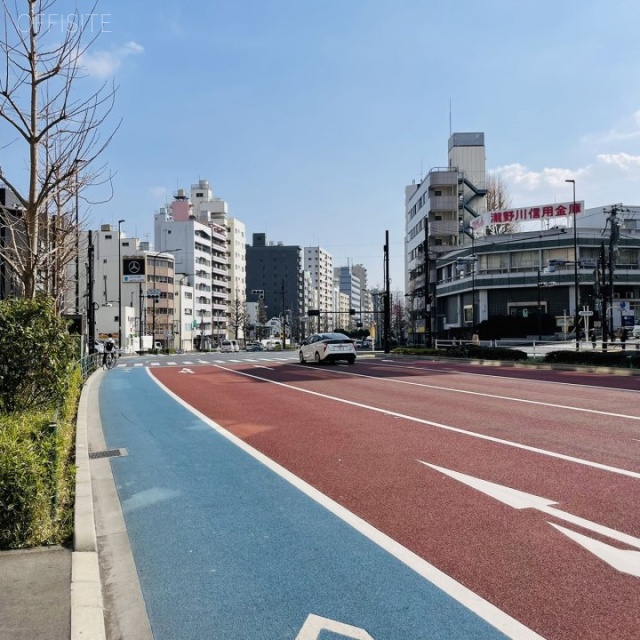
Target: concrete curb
{"points": [[87, 603]]}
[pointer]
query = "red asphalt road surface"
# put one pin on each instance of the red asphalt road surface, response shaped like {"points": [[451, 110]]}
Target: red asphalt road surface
{"points": [[370, 462]]}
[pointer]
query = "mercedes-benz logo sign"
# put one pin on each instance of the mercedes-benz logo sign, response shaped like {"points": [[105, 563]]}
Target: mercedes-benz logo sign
{"points": [[134, 267]]}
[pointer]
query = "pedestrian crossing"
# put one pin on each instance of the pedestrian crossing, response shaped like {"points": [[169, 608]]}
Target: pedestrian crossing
{"points": [[197, 361]]}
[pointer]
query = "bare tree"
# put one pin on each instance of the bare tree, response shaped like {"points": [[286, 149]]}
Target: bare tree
{"points": [[498, 199], [58, 126]]}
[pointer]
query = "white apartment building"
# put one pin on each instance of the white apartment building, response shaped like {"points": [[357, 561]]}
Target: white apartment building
{"points": [[438, 215], [342, 304], [212, 256], [319, 264], [212, 210]]}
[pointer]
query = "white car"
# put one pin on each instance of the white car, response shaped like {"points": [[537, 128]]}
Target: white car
{"points": [[327, 347], [229, 346], [635, 332]]}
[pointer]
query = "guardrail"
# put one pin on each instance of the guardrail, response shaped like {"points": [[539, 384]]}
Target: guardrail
{"points": [[88, 364]]}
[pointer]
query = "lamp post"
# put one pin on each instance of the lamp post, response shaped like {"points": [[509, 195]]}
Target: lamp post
{"points": [[77, 260], [119, 289], [575, 265]]}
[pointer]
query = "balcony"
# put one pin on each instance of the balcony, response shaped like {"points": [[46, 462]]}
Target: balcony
{"points": [[443, 228], [442, 176], [444, 203]]}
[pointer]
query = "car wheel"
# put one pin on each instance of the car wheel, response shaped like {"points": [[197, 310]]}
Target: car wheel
{"points": [[301, 356], [351, 360], [317, 357]]}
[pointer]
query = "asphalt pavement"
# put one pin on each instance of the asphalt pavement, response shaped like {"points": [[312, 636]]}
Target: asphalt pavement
{"points": [[90, 591]]}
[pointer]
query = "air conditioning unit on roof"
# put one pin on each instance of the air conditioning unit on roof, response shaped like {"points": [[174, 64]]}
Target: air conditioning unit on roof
{"points": [[629, 295], [616, 296]]}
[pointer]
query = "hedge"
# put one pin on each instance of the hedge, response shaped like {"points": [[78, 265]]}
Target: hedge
{"points": [[39, 388]]}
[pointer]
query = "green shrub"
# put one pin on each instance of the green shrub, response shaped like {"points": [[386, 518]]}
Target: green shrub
{"points": [[36, 480], [40, 383], [36, 355], [619, 359], [486, 353]]}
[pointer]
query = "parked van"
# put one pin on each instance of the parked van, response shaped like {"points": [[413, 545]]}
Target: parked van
{"points": [[635, 332], [229, 346]]}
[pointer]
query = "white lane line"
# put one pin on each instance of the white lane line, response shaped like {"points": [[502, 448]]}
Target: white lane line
{"points": [[580, 385], [445, 427], [487, 395], [511, 627]]}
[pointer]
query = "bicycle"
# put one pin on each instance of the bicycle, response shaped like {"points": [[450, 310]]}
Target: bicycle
{"points": [[110, 360]]}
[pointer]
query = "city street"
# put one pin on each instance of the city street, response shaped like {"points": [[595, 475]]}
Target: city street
{"points": [[395, 499]]}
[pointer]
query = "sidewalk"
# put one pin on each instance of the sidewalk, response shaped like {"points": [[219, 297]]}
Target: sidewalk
{"points": [[35, 588], [57, 593]]}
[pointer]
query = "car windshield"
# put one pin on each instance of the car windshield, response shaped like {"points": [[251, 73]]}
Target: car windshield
{"points": [[335, 336]]}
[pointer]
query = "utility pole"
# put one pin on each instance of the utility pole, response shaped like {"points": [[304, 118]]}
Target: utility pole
{"points": [[387, 295], [428, 343], [614, 237], [284, 320], [601, 277], [91, 310]]}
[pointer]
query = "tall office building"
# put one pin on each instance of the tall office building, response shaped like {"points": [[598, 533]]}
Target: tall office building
{"points": [[275, 276]]}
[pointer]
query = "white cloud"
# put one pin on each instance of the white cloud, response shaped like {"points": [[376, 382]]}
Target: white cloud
{"points": [[102, 64], [523, 179], [610, 178], [609, 171], [623, 161]]}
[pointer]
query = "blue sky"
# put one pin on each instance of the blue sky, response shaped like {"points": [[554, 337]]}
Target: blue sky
{"points": [[309, 117]]}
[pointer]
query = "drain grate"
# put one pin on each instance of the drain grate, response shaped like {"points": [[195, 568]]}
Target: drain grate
{"points": [[110, 453]]}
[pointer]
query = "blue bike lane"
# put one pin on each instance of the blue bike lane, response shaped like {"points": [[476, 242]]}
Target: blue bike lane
{"points": [[228, 548]]}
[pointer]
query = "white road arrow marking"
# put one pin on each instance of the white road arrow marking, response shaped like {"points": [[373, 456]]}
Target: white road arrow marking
{"points": [[314, 624], [624, 560], [521, 500], [184, 370]]}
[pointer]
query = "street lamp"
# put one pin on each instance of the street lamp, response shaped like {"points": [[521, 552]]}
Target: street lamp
{"points": [[119, 288], [575, 265]]}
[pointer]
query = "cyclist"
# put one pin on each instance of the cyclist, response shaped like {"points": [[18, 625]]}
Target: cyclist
{"points": [[109, 349]]}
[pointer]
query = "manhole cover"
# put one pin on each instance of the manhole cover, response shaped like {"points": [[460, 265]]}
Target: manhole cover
{"points": [[110, 453]]}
